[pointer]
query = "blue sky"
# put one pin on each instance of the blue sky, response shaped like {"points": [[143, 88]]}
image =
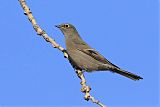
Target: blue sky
{"points": [[32, 73]]}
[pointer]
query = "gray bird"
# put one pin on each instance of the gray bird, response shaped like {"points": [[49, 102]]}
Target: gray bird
{"points": [[83, 57]]}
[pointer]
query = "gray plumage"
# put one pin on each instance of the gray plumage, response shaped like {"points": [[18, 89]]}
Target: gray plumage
{"points": [[83, 57]]}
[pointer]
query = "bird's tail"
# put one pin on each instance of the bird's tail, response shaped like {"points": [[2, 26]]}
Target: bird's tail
{"points": [[127, 74]]}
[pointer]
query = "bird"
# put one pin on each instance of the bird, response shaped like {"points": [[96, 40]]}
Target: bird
{"points": [[83, 57]]}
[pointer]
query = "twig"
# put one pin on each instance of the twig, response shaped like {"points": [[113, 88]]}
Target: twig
{"points": [[38, 29], [85, 89]]}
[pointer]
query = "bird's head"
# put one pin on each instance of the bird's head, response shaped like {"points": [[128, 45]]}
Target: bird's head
{"points": [[67, 29]]}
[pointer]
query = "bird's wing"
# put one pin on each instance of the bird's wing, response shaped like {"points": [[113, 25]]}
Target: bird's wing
{"points": [[94, 54]]}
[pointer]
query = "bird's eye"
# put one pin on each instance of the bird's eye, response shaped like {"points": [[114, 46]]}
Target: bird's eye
{"points": [[66, 26]]}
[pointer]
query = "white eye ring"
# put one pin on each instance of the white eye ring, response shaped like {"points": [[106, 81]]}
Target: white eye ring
{"points": [[67, 25]]}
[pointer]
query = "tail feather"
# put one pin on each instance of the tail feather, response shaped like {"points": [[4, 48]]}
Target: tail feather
{"points": [[127, 74]]}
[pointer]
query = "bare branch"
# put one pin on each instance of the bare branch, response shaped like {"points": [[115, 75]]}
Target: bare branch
{"points": [[85, 89], [38, 29]]}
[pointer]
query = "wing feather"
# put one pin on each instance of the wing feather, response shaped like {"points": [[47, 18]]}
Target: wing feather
{"points": [[96, 55]]}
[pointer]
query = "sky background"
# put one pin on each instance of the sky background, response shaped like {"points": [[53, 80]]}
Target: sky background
{"points": [[32, 73]]}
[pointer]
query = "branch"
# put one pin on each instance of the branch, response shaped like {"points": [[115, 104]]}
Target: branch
{"points": [[38, 29], [85, 89]]}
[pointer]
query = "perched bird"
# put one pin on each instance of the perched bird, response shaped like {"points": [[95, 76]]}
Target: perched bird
{"points": [[83, 57]]}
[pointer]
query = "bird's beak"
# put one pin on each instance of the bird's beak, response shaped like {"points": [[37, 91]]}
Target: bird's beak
{"points": [[58, 26]]}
